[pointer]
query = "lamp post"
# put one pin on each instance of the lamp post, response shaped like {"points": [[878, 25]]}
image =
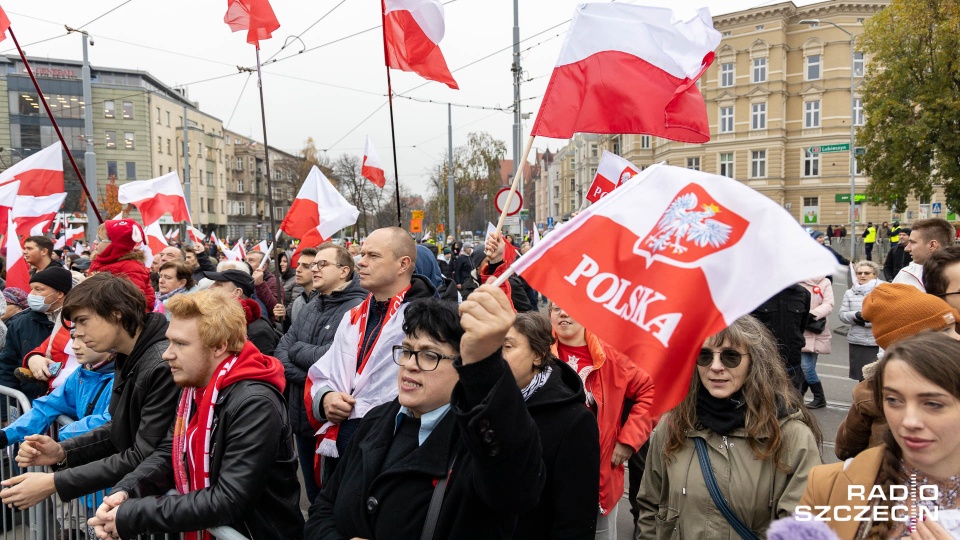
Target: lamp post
{"points": [[853, 137]]}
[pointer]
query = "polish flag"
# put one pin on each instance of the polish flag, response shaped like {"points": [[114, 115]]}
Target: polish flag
{"points": [[156, 197], [172, 234], [8, 197], [40, 174], [74, 234], [59, 243], [612, 171], [318, 210], [668, 260], [4, 25], [56, 226], [155, 242], [372, 168], [412, 30], [33, 215], [196, 235], [18, 272], [655, 59], [256, 17], [239, 249], [261, 247], [536, 236]]}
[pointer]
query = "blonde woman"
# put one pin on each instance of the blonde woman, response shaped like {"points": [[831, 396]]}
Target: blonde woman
{"points": [[863, 347]]}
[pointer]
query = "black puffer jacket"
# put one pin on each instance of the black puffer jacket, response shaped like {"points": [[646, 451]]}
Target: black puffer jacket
{"points": [[253, 475], [307, 340], [786, 315], [142, 408], [571, 454]]}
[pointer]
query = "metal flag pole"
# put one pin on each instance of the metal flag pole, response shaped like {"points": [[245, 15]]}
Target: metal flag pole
{"points": [[393, 133], [266, 160], [56, 127]]}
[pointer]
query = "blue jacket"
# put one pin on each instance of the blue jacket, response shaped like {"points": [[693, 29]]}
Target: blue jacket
{"points": [[73, 398]]}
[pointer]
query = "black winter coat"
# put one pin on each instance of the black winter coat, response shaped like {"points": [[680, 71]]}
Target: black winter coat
{"points": [[263, 334], [25, 332], [786, 315], [897, 259], [571, 455], [307, 340], [462, 266], [253, 475], [497, 474], [142, 408]]}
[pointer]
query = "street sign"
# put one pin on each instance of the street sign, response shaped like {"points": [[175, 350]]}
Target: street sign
{"points": [[501, 200], [417, 214], [416, 225], [550, 222], [440, 228], [845, 197], [859, 151], [936, 208], [829, 148], [524, 213]]}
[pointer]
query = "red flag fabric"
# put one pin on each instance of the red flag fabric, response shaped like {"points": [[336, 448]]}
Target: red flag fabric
{"points": [[668, 260], [34, 215], [18, 272], [372, 168], [318, 206], [657, 59], [4, 24], [40, 174], [412, 30], [196, 235], [74, 234], [156, 197], [155, 241], [254, 16], [612, 171]]}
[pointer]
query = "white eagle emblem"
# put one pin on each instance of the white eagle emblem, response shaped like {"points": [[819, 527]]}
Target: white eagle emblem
{"points": [[681, 222]]}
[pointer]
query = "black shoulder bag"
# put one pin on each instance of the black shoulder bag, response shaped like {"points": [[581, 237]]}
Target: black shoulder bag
{"points": [[711, 481], [436, 501]]}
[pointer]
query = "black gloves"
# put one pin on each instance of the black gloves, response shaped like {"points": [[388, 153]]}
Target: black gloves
{"points": [[858, 319]]}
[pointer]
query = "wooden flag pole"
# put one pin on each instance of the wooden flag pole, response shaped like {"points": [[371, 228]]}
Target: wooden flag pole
{"points": [[66, 147], [513, 188], [266, 161]]}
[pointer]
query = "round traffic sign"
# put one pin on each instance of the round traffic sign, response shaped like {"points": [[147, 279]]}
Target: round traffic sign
{"points": [[501, 200]]}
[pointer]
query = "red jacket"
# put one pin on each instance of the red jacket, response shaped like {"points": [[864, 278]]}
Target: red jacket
{"points": [[616, 378], [130, 265]]}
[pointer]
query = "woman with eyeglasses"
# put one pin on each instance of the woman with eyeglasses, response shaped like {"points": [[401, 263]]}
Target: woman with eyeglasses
{"points": [[743, 418], [609, 379], [863, 347]]}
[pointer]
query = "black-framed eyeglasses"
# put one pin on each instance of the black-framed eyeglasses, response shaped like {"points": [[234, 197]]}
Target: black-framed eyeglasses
{"points": [[425, 360], [946, 294], [728, 357], [321, 264]]}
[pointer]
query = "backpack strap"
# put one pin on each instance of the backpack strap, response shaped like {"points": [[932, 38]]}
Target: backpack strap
{"points": [[707, 469]]}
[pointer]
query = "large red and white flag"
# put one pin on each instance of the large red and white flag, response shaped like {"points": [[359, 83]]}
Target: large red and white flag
{"points": [[156, 239], [4, 25], [372, 168], [412, 30], [668, 260], [196, 235], [18, 272], [156, 197], [612, 171], [656, 60], [256, 17], [318, 211], [33, 215], [40, 175], [74, 234]]}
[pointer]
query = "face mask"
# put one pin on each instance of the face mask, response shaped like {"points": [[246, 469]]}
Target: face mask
{"points": [[38, 303]]}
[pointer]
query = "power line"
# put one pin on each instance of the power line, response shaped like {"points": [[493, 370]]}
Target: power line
{"points": [[298, 36], [97, 18]]}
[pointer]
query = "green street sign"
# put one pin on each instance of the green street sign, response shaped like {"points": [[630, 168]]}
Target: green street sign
{"points": [[859, 150], [845, 197], [524, 213], [829, 148]]}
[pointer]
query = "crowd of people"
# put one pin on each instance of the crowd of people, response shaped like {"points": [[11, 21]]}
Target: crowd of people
{"points": [[408, 397]]}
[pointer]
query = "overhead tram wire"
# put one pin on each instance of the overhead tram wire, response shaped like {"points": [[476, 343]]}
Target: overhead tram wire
{"points": [[300, 35], [97, 18]]}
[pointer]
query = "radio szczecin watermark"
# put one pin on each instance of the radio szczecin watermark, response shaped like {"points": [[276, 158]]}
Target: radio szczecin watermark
{"points": [[898, 503]]}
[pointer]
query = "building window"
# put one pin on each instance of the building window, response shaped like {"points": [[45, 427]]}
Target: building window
{"points": [[159, 144], [242, 208], [129, 142], [279, 212], [726, 164], [239, 186], [131, 170], [168, 118], [693, 163], [593, 150], [726, 74], [759, 27], [160, 170], [811, 210], [112, 170], [813, 67], [758, 164], [860, 20], [759, 70], [209, 178], [811, 114], [858, 119], [811, 163], [128, 110], [158, 116], [758, 116], [858, 64], [645, 142], [211, 206], [109, 109], [111, 139], [726, 119], [856, 165], [200, 177], [168, 147], [239, 163]]}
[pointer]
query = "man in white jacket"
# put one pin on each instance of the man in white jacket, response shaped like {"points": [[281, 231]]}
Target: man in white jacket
{"points": [[926, 237]]}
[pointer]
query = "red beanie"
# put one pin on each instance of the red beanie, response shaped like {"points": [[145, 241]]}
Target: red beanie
{"points": [[125, 235]]}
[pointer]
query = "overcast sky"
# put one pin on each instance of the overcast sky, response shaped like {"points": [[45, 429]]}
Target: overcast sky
{"points": [[326, 93]]}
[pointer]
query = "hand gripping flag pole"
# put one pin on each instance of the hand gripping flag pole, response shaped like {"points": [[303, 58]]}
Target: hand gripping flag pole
{"points": [[56, 127]]}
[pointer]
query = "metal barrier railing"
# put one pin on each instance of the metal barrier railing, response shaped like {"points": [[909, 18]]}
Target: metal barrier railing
{"points": [[54, 519]]}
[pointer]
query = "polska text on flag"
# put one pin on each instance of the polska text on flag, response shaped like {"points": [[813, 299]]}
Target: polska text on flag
{"points": [[612, 171], [668, 260], [656, 58]]}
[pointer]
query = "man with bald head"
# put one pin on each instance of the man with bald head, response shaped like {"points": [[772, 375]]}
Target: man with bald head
{"points": [[170, 253], [357, 372]]}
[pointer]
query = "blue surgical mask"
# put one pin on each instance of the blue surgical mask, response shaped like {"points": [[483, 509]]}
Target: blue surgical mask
{"points": [[38, 303]]}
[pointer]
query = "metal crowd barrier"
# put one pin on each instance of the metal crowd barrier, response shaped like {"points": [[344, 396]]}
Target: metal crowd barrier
{"points": [[54, 519]]}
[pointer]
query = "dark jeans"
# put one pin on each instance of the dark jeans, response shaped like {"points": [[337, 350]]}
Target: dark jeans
{"points": [[868, 246], [306, 449], [635, 467]]}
